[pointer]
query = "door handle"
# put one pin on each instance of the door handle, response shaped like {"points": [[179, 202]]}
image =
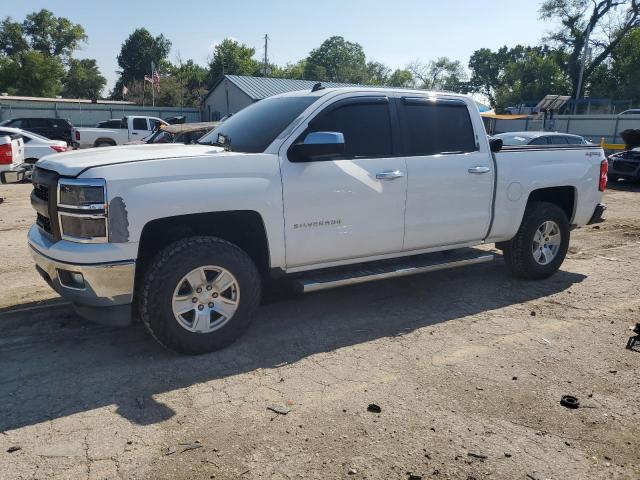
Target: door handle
{"points": [[389, 175], [478, 170]]}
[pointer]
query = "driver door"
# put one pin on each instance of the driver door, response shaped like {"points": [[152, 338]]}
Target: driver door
{"points": [[351, 205]]}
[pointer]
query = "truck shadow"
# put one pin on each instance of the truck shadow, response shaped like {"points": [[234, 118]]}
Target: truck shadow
{"points": [[53, 364]]}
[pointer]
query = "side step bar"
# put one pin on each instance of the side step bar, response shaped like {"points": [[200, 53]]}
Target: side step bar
{"points": [[368, 272]]}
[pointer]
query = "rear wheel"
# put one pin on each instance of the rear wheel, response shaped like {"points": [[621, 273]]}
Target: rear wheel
{"points": [[541, 244], [199, 295]]}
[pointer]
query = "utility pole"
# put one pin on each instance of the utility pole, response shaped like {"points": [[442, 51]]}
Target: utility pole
{"points": [[153, 87], [585, 53], [266, 57]]}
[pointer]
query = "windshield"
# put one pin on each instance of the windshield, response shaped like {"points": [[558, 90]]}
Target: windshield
{"points": [[254, 128], [510, 140]]}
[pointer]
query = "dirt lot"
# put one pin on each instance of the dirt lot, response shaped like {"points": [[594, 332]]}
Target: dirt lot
{"points": [[468, 367]]}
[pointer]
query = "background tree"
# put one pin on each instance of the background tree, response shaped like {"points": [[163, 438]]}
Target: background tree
{"points": [[440, 74], [578, 17], [83, 79], [336, 60], [400, 78], [137, 53], [33, 53], [232, 58]]}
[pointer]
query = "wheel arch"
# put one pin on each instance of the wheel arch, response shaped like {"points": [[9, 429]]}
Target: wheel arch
{"points": [[108, 140], [244, 228], [565, 197]]}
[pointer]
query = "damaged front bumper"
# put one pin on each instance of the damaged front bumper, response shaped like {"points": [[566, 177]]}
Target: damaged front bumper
{"points": [[100, 292]]}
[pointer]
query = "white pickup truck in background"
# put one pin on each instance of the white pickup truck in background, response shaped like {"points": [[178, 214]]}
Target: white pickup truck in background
{"points": [[324, 188], [11, 151], [132, 128]]}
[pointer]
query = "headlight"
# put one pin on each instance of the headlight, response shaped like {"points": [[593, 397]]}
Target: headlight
{"points": [[82, 210]]}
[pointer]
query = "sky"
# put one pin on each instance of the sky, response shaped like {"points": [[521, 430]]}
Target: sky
{"points": [[394, 32]]}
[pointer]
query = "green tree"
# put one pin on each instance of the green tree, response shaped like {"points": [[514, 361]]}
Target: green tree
{"points": [[290, 70], [625, 68], [33, 53], [376, 73], [582, 19], [233, 58], [137, 53], [400, 78], [532, 73], [336, 60], [51, 35], [83, 79]]}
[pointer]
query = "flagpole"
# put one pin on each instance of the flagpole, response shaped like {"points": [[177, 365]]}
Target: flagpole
{"points": [[153, 87]]}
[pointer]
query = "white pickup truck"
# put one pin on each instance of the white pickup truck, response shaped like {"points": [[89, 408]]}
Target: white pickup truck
{"points": [[326, 188], [11, 151], [132, 128]]}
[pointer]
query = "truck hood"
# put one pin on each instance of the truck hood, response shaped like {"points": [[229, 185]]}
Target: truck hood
{"points": [[71, 164]]}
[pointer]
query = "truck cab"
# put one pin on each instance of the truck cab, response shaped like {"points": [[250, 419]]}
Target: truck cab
{"points": [[131, 129]]}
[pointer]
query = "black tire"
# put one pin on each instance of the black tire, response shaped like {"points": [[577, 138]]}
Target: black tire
{"points": [[170, 266], [518, 253]]}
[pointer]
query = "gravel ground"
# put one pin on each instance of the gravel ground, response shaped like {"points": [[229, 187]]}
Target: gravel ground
{"points": [[468, 367]]}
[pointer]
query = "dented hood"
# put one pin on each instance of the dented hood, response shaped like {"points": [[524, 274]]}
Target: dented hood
{"points": [[71, 164]]}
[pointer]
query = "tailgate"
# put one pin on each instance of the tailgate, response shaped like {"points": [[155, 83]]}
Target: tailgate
{"points": [[17, 148]]}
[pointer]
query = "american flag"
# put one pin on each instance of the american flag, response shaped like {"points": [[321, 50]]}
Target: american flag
{"points": [[156, 80], [147, 78]]}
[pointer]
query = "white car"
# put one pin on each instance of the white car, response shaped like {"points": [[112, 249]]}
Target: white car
{"points": [[35, 146], [326, 188]]}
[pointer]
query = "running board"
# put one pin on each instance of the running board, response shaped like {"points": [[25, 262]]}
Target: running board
{"points": [[371, 271]]}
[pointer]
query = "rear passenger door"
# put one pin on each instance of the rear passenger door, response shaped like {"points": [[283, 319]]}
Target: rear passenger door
{"points": [[450, 173]]}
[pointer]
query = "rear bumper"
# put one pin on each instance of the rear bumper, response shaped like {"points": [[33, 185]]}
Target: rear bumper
{"points": [[597, 214]]}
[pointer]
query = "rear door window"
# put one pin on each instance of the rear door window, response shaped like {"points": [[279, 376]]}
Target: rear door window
{"points": [[539, 141], [365, 124], [558, 140], [432, 128], [140, 124], [38, 123]]}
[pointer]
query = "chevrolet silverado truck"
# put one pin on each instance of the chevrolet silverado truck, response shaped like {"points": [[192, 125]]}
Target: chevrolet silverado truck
{"points": [[132, 128], [323, 188]]}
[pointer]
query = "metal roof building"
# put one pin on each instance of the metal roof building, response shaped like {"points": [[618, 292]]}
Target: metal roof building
{"points": [[231, 93]]}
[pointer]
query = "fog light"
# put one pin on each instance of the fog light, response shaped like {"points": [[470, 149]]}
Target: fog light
{"points": [[71, 279]]}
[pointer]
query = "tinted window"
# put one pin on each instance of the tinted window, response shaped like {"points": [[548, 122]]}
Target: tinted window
{"points": [[254, 128], [366, 128], [139, 123], [432, 128], [38, 123], [574, 140], [17, 123], [558, 140], [539, 141]]}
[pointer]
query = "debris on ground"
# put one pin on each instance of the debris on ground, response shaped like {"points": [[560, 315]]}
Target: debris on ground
{"points": [[479, 456], [373, 408], [352, 471], [413, 476], [14, 448], [569, 401], [507, 455], [278, 410], [190, 446]]}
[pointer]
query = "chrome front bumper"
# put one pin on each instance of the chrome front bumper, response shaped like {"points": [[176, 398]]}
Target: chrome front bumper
{"points": [[103, 284]]}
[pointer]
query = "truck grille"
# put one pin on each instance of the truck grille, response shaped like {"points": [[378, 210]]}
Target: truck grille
{"points": [[44, 223], [43, 200], [41, 191]]}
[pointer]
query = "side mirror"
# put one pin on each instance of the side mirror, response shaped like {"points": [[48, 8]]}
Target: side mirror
{"points": [[12, 176], [495, 144], [318, 146]]}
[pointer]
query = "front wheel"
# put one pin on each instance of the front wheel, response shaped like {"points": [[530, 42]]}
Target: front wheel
{"points": [[541, 244], [199, 295]]}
